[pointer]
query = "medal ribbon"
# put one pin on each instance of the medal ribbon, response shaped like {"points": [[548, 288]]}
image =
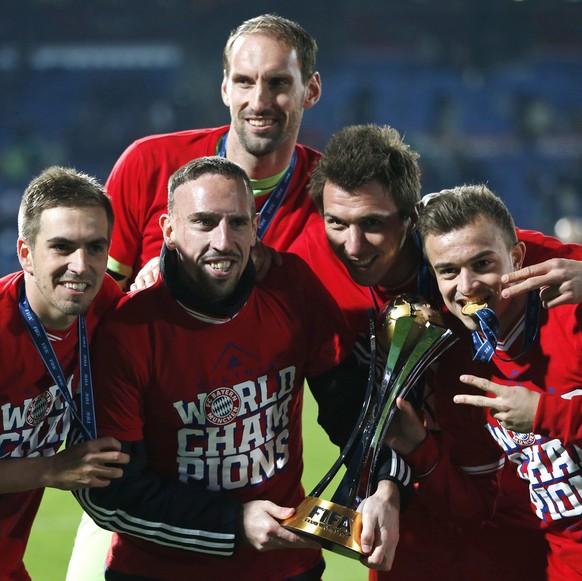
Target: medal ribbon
{"points": [[276, 197], [484, 343], [43, 345]]}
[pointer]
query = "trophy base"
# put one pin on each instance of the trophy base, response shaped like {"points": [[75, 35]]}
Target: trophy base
{"points": [[335, 527]]}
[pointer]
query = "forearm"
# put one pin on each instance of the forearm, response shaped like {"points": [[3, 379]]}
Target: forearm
{"points": [[164, 510], [21, 474], [463, 495]]}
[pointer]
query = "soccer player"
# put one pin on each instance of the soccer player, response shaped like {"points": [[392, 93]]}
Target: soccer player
{"points": [[47, 314], [470, 242], [366, 187], [269, 80], [206, 399]]}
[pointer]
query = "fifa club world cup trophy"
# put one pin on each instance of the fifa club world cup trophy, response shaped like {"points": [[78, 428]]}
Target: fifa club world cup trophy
{"points": [[411, 336]]}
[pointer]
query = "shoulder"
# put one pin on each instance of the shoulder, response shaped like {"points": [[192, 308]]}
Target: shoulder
{"points": [[9, 284], [307, 155], [167, 143]]}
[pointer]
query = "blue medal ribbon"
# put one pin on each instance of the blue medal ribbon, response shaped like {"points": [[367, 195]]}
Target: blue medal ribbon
{"points": [[485, 342], [276, 197], [43, 345]]}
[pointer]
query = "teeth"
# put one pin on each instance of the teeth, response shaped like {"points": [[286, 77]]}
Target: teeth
{"points": [[260, 122], [366, 262], [223, 265], [77, 286]]}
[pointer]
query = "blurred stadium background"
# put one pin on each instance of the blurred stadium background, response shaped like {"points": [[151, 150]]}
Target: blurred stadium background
{"points": [[485, 90]]}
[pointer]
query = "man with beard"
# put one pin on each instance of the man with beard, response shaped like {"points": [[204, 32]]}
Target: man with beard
{"points": [[206, 397]]}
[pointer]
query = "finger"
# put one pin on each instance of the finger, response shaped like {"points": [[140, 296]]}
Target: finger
{"points": [[524, 274], [279, 512], [479, 401], [480, 383]]}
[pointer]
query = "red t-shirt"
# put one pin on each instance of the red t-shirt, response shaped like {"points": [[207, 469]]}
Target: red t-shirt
{"points": [[218, 405], [138, 186], [35, 418]]}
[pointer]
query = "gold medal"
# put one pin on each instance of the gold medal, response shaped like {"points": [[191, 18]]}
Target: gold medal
{"points": [[470, 309]]}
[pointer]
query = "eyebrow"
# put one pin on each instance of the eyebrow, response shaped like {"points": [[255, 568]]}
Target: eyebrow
{"points": [[373, 215], [477, 256], [215, 216], [64, 240]]}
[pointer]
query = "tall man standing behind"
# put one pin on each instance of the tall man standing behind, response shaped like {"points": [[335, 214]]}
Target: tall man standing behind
{"points": [[269, 80], [47, 313], [207, 400]]}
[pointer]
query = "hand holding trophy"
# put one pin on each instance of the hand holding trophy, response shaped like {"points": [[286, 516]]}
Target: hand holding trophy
{"points": [[412, 335]]}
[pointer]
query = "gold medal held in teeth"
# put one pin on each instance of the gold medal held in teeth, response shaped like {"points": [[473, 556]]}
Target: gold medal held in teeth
{"points": [[471, 308]]}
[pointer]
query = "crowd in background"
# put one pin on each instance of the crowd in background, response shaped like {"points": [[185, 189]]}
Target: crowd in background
{"points": [[484, 91]]}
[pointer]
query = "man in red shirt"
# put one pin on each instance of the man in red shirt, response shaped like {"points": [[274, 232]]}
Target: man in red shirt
{"points": [[47, 315], [206, 398], [269, 81], [366, 187], [470, 242]]}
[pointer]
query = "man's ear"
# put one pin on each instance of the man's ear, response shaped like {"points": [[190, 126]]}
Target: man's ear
{"points": [[25, 256], [413, 220], [313, 92], [223, 90], [518, 255], [167, 230]]}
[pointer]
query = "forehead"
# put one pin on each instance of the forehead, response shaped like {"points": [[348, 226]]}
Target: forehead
{"points": [[371, 198], [257, 52], [482, 235], [72, 223], [212, 193]]}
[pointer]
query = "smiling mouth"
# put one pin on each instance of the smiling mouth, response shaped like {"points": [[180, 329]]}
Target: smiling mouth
{"points": [[364, 263], [261, 122], [76, 286], [221, 265]]}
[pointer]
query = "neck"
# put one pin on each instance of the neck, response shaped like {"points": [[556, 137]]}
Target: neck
{"points": [[511, 314], [49, 316], [263, 166]]}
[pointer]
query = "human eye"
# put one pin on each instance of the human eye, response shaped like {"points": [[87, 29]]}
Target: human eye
{"points": [[98, 248], [446, 273], [239, 222], [279, 82], [242, 81], [334, 223]]}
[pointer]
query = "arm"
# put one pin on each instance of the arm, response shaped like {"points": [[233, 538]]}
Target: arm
{"points": [[457, 470], [184, 516], [81, 465]]}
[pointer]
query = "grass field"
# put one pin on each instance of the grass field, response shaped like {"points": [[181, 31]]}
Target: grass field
{"points": [[55, 526]]}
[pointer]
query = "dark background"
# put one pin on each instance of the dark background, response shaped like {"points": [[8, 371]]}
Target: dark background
{"points": [[485, 90]]}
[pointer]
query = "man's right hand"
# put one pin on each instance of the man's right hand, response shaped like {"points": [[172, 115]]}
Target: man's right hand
{"points": [[263, 531]]}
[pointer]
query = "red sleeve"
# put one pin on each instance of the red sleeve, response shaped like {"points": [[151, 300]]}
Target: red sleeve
{"points": [[457, 469], [541, 247], [559, 417]]}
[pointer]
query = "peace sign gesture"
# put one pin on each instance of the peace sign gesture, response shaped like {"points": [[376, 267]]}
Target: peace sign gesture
{"points": [[513, 407]]}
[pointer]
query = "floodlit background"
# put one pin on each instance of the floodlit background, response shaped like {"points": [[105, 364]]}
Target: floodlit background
{"points": [[485, 90]]}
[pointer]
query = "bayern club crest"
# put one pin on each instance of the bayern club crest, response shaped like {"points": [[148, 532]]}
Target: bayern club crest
{"points": [[522, 439], [38, 409], [222, 406]]}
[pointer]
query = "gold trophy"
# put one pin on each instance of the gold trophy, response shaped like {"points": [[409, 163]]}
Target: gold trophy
{"points": [[411, 334]]}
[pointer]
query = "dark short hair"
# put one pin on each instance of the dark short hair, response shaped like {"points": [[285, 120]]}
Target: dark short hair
{"points": [[458, 207], [58, 187], [289, 32], [359, 154], [213, 165]]}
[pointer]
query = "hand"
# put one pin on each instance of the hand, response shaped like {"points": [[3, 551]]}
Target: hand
{"points": [[263, 258], [147, 275], [86, 465], [263, 531], [513, 407], [380, 525], [407, 431], [559, 281]]}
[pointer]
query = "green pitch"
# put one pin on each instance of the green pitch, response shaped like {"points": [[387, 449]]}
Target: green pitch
{"points": [[52, 536]]}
